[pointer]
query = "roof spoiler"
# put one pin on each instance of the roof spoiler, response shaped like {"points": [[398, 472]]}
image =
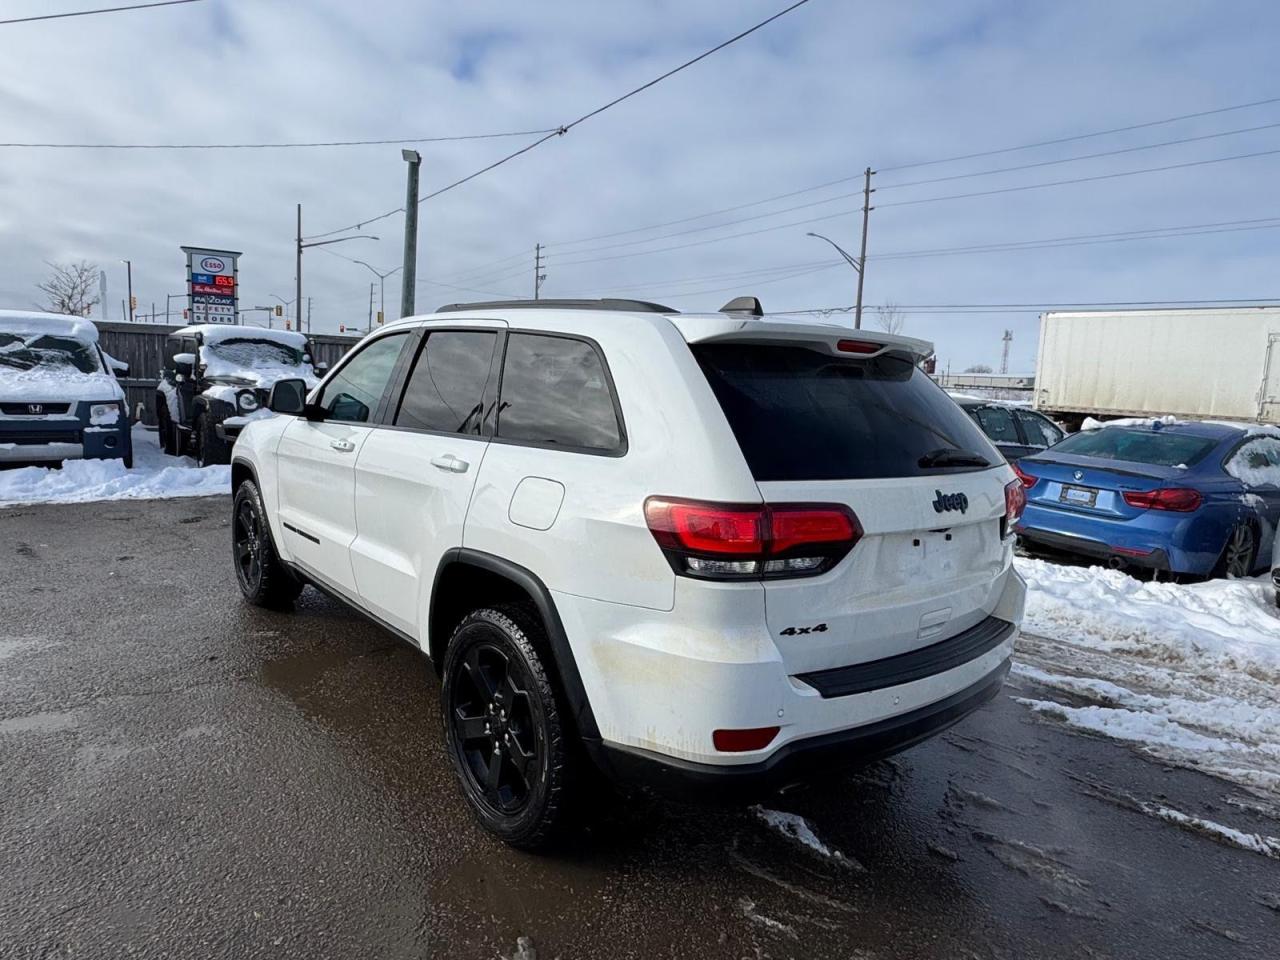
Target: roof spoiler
{"points": [[744, 305]]}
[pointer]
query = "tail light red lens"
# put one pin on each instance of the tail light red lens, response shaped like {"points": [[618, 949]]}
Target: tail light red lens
{"points": [[1027, 479], [718, 541], [1015, 501], [740, 741], [1179, 499], [864, 347]]}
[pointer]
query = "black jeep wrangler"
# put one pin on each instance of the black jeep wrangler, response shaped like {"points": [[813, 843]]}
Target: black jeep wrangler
{"points": [[217, 377]]}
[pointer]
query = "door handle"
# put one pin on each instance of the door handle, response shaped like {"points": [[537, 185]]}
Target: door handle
{"points": [[342, 446], [450, 463]]}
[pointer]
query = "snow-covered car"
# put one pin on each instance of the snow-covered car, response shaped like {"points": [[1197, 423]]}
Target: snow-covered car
{"points": [[59, 399], [216, 379]]}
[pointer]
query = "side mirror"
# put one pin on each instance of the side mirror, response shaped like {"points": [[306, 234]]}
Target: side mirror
{"points": [[288, 397], [184, 363]]}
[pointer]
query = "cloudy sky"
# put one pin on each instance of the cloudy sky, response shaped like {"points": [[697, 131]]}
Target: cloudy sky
{"points": [[814, 98]]}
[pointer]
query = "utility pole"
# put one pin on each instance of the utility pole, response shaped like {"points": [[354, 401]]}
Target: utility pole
{"points": [[129, 266], [308, 316], [370, 324], [538, 275], [862, 256], [410, 277], [1004, 357], [297, 293]]}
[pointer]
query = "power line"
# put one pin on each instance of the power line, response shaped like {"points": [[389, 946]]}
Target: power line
{"points": [[561, 131], [1092, 179], [980, 173], [1024, 307], [267, 146], [86, 13], [1081, 136]]}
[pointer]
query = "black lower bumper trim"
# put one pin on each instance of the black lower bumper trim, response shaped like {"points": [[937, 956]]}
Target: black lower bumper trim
{"points": [[913, 665], [800, 760], [1081, 546]]}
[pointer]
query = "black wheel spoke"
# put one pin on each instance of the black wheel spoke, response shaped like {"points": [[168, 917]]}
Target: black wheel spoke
{"points": [[492, 774], [484, 685], [520, 761], [470, 728]]}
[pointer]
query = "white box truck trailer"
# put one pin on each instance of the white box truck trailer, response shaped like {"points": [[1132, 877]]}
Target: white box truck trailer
{"points": [[1219, 363]]}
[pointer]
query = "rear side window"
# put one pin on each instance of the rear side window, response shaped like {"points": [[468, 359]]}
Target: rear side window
{"points": [[997, 423], [1040, 431], [555, 391], [1137, 446], [445, 391], [352, 396], [799, 414]]}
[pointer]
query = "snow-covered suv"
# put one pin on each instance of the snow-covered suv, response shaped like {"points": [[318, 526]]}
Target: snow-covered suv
{"points": [[715, 553], [216, 378]]}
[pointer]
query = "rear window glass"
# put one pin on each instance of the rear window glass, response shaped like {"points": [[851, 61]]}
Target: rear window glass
{"points": [[799, 414], [1135, 446], [997, 423]]}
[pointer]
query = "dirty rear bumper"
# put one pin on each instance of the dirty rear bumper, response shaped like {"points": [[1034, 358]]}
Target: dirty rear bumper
{"points": [[797, 761]]}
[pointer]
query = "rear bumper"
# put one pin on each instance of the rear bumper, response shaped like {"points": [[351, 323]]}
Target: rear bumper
{"points": [[798, 760], [1156, 559]]}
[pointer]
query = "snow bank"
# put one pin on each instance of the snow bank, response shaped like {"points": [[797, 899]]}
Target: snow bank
{"points": [[1187, 673], [154, 476]]}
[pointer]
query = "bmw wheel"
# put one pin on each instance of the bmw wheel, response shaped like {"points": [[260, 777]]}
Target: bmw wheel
{"points": [[1237, 555], [504, 730]]}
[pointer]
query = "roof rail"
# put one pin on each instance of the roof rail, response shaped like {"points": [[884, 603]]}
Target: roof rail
{"points": [[607, 303]]}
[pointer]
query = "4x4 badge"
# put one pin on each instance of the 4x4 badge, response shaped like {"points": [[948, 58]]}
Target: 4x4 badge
{"points": [[950, 501]]}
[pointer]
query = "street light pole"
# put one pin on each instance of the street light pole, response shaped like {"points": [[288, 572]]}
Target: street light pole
{"points": [[410, 278], [297, 291], [382, 280], [853, 262]]}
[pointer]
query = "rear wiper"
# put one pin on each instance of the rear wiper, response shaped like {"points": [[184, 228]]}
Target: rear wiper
{"points": [[952, 457]]}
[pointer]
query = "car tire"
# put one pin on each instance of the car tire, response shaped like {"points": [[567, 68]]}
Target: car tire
{"points": [[263, 579], [210, 449], [1239, 553], [499, 707], [164, 427]]}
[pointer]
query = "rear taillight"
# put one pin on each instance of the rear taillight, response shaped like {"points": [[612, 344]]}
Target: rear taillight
{"points": [[1027, 479], [718, 541], [1015, 501], [864, 347], [1180, 499]]}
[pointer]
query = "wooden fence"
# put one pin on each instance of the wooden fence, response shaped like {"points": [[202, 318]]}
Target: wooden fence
{"points": [[141, 345]]}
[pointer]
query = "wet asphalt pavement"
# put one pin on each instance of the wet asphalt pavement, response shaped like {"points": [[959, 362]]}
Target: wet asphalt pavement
{"points": [[183, 775]]}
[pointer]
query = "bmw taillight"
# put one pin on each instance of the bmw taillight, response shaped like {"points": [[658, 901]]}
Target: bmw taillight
{"points": [[1179, 499], [719, 541]]}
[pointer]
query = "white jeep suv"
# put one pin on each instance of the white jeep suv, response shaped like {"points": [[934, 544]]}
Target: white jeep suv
{"points": [[717, 552]]}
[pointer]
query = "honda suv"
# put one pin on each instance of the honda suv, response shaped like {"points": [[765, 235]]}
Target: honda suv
{"points": [[703, 553]]}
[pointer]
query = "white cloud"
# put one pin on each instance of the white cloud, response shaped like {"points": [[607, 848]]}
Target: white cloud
{"points": [[818, 95]]}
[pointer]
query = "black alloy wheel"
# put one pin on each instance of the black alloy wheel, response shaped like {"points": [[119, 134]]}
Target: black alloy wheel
{"points": [[503, 728], [1237, 557], [247, 538]]}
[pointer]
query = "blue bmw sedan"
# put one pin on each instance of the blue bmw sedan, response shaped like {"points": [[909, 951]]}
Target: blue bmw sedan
{"points": [[1184, 497]]}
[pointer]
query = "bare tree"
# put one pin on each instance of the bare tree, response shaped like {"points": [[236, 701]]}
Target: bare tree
{"points": [[69, 289], [978, 368], [890, 318]]}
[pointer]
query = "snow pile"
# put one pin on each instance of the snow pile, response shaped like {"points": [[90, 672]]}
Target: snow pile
{"points": [[1188, 673], [796, 828], [153, 476]]}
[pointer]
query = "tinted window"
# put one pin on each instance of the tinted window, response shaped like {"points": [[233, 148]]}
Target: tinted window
{"points": [[996, 423], [800, 414], [1040, 431], [352, 395], [554, 390], [446, 388], [1135, 446]]}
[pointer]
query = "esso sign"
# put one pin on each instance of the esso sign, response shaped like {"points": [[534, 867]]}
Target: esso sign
{"points": [[212, 265]]}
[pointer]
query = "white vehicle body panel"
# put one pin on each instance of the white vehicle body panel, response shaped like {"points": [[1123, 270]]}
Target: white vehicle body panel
{"points": [[1140, 363]]}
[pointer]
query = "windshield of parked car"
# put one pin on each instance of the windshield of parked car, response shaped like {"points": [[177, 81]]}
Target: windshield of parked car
{"points": [[802, 414], [26, 351], [1137, 446], [249, 353]]}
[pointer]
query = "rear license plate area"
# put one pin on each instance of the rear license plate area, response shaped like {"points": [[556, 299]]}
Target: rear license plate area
{"points": [[1078, 496]]}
